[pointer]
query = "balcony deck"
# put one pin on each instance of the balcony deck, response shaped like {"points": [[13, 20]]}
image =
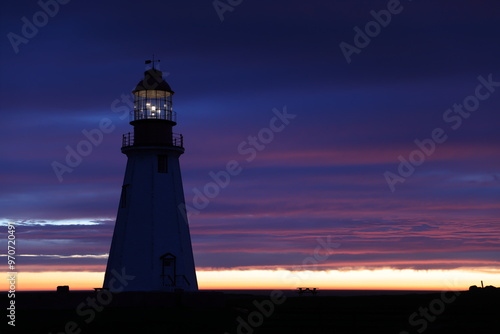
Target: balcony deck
{"points": [[177, 140]]}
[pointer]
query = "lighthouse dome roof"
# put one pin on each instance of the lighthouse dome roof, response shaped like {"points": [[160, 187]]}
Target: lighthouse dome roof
{"points": [[153, 80]]}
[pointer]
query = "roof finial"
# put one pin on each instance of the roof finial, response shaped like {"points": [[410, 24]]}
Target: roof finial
{"points": [[152, 61]]}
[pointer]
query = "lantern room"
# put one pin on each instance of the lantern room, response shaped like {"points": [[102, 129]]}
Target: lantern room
{"points": [[153, 98], [152, 117]]}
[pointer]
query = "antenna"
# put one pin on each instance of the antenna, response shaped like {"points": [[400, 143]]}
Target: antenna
{"points": [[152, 61]]}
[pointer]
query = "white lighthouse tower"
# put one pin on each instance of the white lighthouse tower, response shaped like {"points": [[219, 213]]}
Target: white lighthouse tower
{"points": [[151, 239]]}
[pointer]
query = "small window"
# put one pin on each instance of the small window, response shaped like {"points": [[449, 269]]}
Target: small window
{"points": [[123, 198], [162, 164]]}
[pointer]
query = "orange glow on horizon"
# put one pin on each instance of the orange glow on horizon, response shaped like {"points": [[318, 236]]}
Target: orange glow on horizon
{"points": [[383, 279]]}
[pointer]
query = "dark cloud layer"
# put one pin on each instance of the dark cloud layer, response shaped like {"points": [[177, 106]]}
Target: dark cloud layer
{"points": [[323, 175]]}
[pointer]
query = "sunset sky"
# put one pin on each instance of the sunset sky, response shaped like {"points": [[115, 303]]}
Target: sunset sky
{"points": [[323, 197]]}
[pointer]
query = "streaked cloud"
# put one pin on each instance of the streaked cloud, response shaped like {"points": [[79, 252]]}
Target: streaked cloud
{"points": [[323, 175]]}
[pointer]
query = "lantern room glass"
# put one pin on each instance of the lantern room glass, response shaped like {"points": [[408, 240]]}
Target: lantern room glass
{"points": [[153, 104]]}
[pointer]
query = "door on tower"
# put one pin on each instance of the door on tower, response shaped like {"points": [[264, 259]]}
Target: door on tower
{"points": [[168, 270]]}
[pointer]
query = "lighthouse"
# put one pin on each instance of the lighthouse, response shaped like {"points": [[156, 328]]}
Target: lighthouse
{"points": [[151, 239]]}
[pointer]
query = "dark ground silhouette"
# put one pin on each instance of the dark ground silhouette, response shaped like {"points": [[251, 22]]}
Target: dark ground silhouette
{"points": [[216, 312]]}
